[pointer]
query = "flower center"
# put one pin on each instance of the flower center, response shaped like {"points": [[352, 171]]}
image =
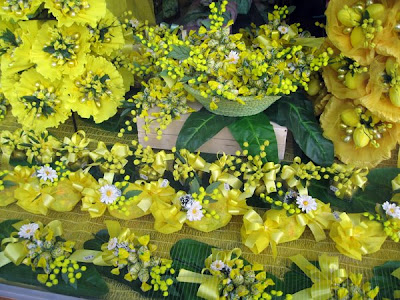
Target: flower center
{"points": [[95, 87], [71, 7], [109, 193], [305, 203], [63, 49], [42, 101], [16, 6]]}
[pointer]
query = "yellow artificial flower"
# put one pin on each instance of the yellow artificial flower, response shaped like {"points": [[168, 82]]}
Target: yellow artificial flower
{"points": [[59, 51], [384, 99], [355, 235], [357, 146], [107, 35], [98, 91], [39, 103], [8, 39], [85, 12], [17, 10]]}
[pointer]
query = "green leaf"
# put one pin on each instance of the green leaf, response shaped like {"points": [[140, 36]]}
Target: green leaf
{"points": [[132, 193], [179, 52], [386, 282], [295, 280], [212, 187], [200, 127], [9, 37], [256, 130], [243, 6], [296, 113], [6, 228], [194, 186], [169, 8], [378, 190]]}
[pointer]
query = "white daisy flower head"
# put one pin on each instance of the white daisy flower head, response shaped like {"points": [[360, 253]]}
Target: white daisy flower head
{"points": [[47, 173], [283, 29], [195, 212], [233, 57], [134, 23], [306, 203], [112, 243], [28, 230], [391, 209], [109, 194], [217, 265]]}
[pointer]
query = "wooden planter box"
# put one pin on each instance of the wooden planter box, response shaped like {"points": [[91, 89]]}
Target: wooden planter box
{"points": [[223, 141]]}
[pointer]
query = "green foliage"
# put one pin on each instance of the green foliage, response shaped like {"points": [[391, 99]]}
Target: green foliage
{"points": [[179, 52], [386, 282]]}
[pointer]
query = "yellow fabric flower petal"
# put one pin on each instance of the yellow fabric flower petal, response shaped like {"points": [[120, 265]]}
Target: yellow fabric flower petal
{"points": [[59, 51], [347, 152], [19, 10], [98, 91], [68, 12]]}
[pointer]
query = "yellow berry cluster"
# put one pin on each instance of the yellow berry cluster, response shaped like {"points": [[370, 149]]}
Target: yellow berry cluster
{"points": [[205, 198], [65, 267], [156, 275], [125, 200]]}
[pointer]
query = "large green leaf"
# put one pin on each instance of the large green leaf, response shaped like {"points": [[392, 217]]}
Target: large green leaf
{"points": [[386, 282], [296, 113], [179, 52], [295, 280], [199, 128], [6, 228], [243, 6], [256, 130], [378, 190]]}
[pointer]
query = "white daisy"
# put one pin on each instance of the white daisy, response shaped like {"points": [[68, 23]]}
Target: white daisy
{"points": [[47, 173], [283, 29], [233, 57], [134, 23], [112, 243], [195, 212], [109, 193], [391, 209], [217, 265], [306, 203], [28, 230]]}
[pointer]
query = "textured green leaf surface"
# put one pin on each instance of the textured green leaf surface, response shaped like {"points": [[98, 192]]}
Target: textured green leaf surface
{"points": [[200, 127], [386, 282], [256, 130]]}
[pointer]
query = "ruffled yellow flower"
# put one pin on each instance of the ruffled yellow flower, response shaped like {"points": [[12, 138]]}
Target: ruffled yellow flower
{"points": [[107, 35], [17, 10], [98, 91], [355, 146], [352, 33], [8, 39], [39, 103], [384, 99], [60, 51], [355, 235], [85, 12]]}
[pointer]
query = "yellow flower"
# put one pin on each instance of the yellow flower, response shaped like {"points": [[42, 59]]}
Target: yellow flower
{"points": [[358, 149], [39, 103], [355, 235], [98, 91], [60, 51], [107, 35], [16, 10], [85, 12], [8, 39]]}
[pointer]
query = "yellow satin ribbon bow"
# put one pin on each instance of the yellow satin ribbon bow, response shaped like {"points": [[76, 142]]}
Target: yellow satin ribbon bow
{"points": [[15, 250], [34, 198], [91, 201], [236, 200], [168, 218], [355, 235], [118, 152], [275, 227], [226, 256], [289, 174], [197, 162], [76, 146], [396, 273], [329, 274], [47, 145], [357, 180], [317, 220], [267, 182], [219, 173], [208, 284]]}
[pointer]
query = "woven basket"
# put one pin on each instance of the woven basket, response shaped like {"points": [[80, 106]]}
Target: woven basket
{"points": [[231, 108]]}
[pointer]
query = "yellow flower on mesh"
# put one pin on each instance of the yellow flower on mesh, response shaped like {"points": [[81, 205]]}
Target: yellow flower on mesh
{"points": [[16, 10], [98, 91], [85, 12], [60, 51], [355, 145], [39, 103], [107, 35]]}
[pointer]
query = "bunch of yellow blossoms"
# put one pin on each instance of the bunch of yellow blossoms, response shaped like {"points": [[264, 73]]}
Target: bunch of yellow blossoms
{"points": [[362, 114]]}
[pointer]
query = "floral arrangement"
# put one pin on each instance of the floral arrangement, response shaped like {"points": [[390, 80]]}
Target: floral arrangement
{"points": [[361, 116], [183, 188]]}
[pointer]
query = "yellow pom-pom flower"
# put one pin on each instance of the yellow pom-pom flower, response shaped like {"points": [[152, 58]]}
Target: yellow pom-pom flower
{"points": [[98, 91], [85, 12], [60, 51]]}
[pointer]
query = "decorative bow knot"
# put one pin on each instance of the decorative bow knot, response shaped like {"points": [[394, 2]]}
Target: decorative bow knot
{"points": [[290, 175], [76, 146], [236, 201]]}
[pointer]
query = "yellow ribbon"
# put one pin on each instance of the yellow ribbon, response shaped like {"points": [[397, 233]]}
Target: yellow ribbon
{"points": [[329, 274], [220, 173], [396, 273], [154, 191], [76, 146], [168, 218], [267, 182], [208, 284], [274, 228], [34, 198], [47, 145], [289, 174], [357, 180], [355, 235], [224, 255], [236, 201], [118, 152], [197, 162], [395, 187]]}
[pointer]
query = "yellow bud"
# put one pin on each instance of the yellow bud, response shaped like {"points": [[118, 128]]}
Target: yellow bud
{"points": [[357, 38], [391, 65], [376, 11], [394, 95], [352, 81], [360, 138], [350, 117], [313, 87], [349, 17]]}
